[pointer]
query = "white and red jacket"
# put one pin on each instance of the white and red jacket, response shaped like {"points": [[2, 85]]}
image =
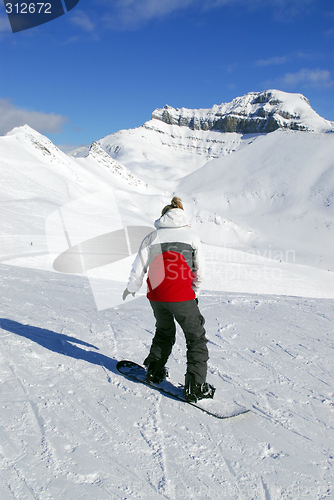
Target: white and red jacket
{"points": [[174, 260]]}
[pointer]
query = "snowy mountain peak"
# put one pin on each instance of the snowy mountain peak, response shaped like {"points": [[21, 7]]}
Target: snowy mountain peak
{"points": [[27, 137], [22, 129], [255, 112]]}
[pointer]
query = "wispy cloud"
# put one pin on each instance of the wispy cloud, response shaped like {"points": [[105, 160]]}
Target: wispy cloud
{"points": [[316, 78], [81, 19], [132, 14], [288, 10], [272, 61], [13, 116], [292, 57], [295, 6], [282, 10]]}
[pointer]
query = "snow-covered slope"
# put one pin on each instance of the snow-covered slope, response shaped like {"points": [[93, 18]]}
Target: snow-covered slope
{"points": [[32, 167], [36, 180], [71, 427], [161, 153], [276, 194]]}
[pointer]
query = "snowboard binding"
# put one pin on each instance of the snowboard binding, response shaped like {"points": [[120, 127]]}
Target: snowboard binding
{"points": [[155, 374], [193, 391]]}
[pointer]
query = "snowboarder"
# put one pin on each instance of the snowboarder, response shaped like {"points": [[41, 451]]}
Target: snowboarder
{"points": [[172, 256]]}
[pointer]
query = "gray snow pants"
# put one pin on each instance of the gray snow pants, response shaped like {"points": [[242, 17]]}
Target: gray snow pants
{"points": [[191, 321]]}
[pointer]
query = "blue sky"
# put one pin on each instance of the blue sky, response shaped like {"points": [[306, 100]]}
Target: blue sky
{"points": [[107, 64]]}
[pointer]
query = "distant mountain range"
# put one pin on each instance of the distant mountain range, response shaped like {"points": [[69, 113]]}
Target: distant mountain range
{"points": [[253, 113], [261, 192]]}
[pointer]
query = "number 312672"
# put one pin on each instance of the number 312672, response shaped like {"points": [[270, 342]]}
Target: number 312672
{"points": [[31, 8]]}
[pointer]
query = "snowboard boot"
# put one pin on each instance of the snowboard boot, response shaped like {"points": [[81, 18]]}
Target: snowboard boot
{"points": [[155, 373], [193, 391]]}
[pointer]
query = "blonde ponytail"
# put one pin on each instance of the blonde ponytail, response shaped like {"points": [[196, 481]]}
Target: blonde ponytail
{"points": [[175, 203]]}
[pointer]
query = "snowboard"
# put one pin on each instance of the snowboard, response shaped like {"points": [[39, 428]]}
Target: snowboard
{"points": [[214, 407]]}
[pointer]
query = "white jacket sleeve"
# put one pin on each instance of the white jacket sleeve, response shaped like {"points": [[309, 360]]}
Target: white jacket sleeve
{"points": [[198, 267], [139, 268]]}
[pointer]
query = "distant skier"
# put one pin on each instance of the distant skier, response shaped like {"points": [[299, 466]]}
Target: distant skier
{"points": [[172, 256]]}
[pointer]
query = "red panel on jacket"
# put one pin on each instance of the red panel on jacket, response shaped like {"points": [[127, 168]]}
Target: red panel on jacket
{"points": [[169, 279]]}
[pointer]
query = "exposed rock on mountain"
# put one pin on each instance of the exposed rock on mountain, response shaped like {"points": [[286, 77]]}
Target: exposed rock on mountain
{"points": [[255, 112], [97, 153]]}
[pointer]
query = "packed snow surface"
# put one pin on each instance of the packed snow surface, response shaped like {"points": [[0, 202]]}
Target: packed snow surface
{"points": [[73, 428]]}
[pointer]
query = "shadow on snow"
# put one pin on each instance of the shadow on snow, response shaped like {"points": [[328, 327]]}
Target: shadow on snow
{"points": [[60, 343]]}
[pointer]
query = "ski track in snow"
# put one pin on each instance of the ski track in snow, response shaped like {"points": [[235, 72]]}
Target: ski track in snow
{"points": [[72, 427]]}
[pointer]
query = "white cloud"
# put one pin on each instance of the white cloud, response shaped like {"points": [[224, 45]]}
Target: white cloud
{"points": [[316, 78], [82, 20], [13, 116]]}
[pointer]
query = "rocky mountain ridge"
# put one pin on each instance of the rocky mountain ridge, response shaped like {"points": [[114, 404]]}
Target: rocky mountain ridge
{"points": [[253, 113], [194, 136]]}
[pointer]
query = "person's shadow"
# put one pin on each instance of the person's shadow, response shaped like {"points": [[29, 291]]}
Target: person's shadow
{"points": [[58, 342]]}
